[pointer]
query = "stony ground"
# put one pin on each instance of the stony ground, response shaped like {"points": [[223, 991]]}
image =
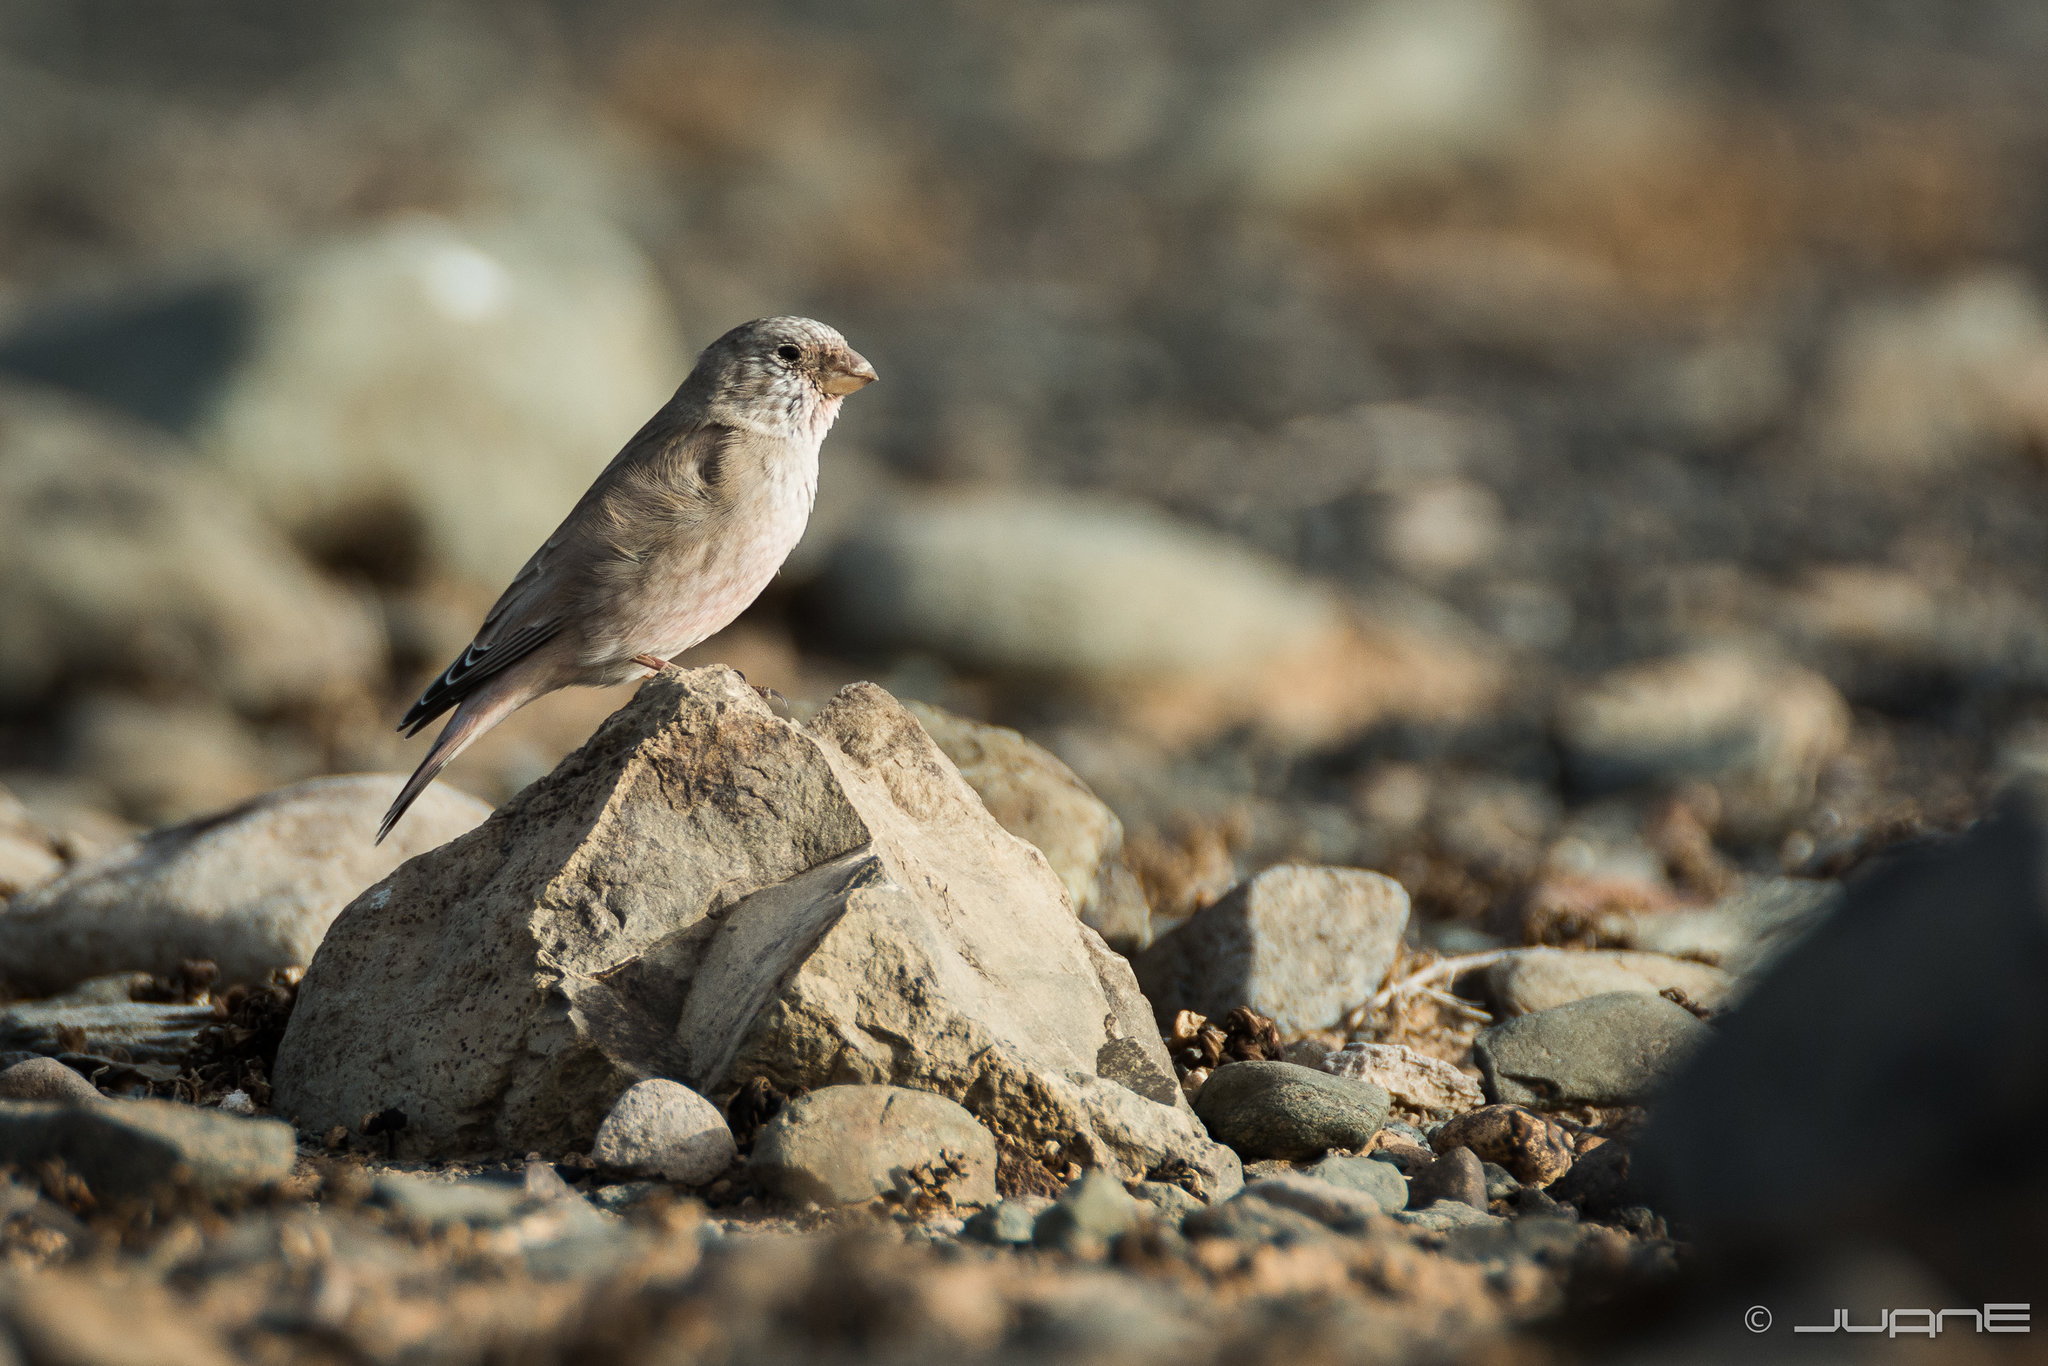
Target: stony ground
{"points": [[1411, 561]]}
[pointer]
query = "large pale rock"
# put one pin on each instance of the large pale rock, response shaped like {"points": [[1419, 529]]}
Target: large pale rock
{"points": [[1039, 799], [164, 760], [1537, 979], [252, 888], [710, 893], [1299, 944], [1372, 92], [147, 1032], [393, 373], [1071, 587], [122, 557], [1181, 630], [1758, 728]]}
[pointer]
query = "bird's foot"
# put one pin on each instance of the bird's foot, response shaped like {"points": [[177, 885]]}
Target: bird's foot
{"points": [[777, 703], [652, 663]]}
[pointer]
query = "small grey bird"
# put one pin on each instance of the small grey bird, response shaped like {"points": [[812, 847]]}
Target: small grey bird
{"points": [[680, 532]]}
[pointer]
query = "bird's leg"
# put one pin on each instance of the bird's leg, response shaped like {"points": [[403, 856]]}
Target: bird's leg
{"points": [[652, 664]]}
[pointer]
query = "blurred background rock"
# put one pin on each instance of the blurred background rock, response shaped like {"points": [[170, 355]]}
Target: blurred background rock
{"points": [[1556, 451]]}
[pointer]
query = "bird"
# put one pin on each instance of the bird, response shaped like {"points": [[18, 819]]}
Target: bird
{"points": [[672, 541]]}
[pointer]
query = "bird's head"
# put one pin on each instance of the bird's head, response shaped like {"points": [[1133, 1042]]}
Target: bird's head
{"points": [[779, 370]]}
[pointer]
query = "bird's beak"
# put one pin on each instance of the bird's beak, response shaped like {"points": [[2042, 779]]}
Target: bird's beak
{"points": [[848, 373]]}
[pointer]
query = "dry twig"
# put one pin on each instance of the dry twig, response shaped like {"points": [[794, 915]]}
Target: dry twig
{"points": [[1441, 970]]}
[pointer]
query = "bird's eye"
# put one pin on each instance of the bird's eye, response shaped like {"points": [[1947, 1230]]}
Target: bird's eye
{"points": [[789, 353]]}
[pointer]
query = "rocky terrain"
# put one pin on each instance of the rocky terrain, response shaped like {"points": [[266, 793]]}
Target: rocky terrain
{"points": [[1413, 715]]}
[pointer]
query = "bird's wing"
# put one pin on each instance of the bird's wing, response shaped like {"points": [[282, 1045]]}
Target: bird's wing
{"points": [[663, 464]]}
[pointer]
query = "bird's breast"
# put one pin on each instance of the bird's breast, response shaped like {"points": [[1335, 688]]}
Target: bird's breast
{"points": [[703, 573]]}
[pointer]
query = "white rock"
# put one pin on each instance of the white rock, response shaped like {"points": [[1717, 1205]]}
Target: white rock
{"points": [[1069, 586], [663, 1128], [1181, 631], [252, 888], [167, 760]]}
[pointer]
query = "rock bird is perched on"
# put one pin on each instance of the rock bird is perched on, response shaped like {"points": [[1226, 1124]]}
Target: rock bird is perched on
{"points": [[680, 532]]}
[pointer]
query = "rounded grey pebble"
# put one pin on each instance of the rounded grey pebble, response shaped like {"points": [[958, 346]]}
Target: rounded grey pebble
{"points": [[46, 1079], [1378, 1178], [1281, 1109], [663, 1128]]}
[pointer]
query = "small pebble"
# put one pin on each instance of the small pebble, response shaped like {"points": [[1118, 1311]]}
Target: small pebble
{"points": [[1008, 1221], [663, 1128], [1281, 1109], [1535, 1150], [46, 1079], [1380, 1179], [1456, 1175], [1090, 1212]]}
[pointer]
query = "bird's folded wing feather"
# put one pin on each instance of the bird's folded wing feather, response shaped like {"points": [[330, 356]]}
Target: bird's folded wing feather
{"points": [[661, 471]]}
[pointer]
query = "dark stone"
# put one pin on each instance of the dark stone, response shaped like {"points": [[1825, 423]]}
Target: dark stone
{"points": [[1535, 1201], [1883, 1081], [1601, 1181], [1456, 1175], [1280, 1109], [1613, 1049], [160, 356]]}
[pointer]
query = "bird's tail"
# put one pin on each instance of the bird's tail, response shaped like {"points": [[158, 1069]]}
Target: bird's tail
{"points": [[476, 715]]}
